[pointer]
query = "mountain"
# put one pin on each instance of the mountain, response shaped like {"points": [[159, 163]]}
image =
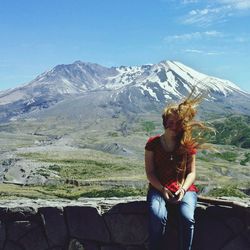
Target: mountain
{"points": [[124, 89]]}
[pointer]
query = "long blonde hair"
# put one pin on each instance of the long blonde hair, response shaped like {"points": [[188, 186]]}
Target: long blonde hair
{"points": [[184, 114]]}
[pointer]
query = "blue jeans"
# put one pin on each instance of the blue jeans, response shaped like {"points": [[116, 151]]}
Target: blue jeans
{"points": [[158, 219]]}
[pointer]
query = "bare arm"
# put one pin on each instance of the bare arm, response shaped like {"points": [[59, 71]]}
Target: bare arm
{"points": [[191, 173], [190, 178], [149, 168]]}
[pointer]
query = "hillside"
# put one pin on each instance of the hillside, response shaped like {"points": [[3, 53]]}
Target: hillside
{"points": [[232, 130], [65, 158]]}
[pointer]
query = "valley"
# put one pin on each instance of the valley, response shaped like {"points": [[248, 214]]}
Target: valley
{"points": [[66, 159]]}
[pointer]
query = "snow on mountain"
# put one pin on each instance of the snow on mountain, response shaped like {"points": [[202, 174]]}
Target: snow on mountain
{"points": [[174, 76], [131, 87], [125, 76]]}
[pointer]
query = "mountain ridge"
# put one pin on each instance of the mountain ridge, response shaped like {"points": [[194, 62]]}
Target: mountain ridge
{"points": [[132, 88]]}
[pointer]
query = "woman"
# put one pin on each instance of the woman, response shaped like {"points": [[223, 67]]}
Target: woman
{"points": [[170, 169]]}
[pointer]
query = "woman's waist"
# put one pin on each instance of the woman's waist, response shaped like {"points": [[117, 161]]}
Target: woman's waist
{"points": [[173, 185]]}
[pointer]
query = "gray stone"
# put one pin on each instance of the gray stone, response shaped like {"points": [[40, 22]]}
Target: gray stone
{"points": [[34, 240], [74, 244], [54, 225], [19, 214], [247, 223], [12, 246], [127, 228], [2, 234], [239, 243], [136, 248], [122, 227], [136, 207], [235, 224], [210, 233], [171, 239], [17, 229], [90, 245], [86, 223], [112, 247], [3, 213], [220, 211]]}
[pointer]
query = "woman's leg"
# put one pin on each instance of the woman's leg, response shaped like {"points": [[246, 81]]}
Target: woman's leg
{"points": [[157, 219], [186, 213]]}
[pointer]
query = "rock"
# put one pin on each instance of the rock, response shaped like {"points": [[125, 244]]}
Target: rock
{"points": [[210, 233], [127, 229], [127, 223], [235, 224], [80, 222], [239, 243], [34, 240], [136, 248], [220, 211], [2, 234], [112, 247], [90, 245], [17, 229], [135, 207], [18, 214], [54, 225], [12, 246], [74, 244]]}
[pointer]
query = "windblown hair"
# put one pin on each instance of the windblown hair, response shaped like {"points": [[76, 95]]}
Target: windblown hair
{"points": [[189, 132]]}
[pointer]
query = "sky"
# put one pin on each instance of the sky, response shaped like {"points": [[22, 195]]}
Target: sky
{"points": [[210, 36]]}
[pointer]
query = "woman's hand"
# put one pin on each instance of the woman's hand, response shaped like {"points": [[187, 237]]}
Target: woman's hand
{"points": [[179, 194], [167, 194]]}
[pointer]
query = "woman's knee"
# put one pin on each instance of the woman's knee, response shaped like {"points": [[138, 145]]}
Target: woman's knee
{"points": [[187, 207], [187, 216], [158, 209]]}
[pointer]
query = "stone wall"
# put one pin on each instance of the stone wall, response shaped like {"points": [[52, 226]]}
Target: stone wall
{"points": [[99, 224]]}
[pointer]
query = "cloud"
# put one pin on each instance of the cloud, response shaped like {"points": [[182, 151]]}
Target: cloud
{"points": [[207, 16], [237, 4], [194, 35], [189, 1], [242, 39], [216, 11], [194, 51], [209, 53]]}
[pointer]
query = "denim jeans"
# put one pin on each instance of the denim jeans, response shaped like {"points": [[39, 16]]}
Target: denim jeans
{"points": [[158, 219]]}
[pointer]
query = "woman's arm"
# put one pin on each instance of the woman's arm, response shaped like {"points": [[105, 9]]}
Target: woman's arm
{"points": [[149, 167], [191, 175], [190, 178]]}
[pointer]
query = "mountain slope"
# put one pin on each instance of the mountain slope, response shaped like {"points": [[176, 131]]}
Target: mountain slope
{"points": [[127, 89]]}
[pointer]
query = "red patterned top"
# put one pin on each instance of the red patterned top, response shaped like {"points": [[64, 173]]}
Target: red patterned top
{"points": [[165, 164]]}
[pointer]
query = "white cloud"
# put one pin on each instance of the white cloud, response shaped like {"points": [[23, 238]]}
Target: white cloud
{"points": [[205, 17], [194, 35], [194, 51], [209, 53], [237, 4], [216, 11], [189, 1]]}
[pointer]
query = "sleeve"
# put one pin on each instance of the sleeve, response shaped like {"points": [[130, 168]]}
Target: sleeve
{"points": [[150, 145], [193, 151]]}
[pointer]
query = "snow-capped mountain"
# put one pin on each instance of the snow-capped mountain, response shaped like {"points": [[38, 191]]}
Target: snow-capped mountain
{"points": [[133, 88]]}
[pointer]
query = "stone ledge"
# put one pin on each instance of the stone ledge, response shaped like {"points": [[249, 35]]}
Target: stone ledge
{"points": [[115, 224]]}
